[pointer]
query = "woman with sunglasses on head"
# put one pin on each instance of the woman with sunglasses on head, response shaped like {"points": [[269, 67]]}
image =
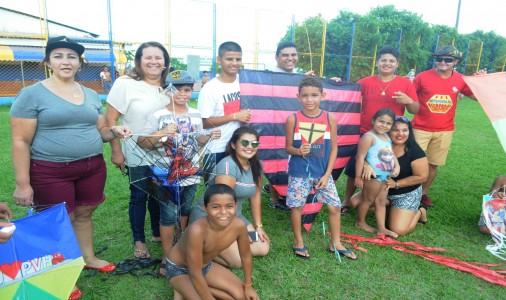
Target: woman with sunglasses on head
{"points": [[131, 100], [242, 170], [405, 190]]}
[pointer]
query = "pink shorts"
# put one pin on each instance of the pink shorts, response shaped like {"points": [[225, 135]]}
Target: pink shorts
{"points": [[77, 183]]}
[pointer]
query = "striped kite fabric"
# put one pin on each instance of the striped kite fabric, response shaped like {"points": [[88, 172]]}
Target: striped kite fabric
{"points": [[272, 97], [490, 90]]}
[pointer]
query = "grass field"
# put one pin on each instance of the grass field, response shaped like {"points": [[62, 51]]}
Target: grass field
{"points": [[476, 158]]}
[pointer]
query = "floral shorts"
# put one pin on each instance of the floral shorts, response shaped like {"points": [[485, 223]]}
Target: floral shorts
{"points": [[300, 187]]}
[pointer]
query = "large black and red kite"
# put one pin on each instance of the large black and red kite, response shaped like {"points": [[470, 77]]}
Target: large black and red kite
{"points": [[272, 97]]}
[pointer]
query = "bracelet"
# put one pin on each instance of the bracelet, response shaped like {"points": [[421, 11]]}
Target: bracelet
{"points": [[258, 226], [397, 185], [299, 151], [234, 116], [248, 284], [112, 131]]}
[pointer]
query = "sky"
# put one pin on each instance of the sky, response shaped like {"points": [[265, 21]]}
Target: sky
{"points": [[91, 14], [190, 27]]}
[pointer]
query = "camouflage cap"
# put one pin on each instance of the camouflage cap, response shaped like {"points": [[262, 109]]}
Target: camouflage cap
{"points": [[179, 77], [448, 51]]}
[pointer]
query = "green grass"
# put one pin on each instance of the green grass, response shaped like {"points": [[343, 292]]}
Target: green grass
{"points": [[476, 158]]}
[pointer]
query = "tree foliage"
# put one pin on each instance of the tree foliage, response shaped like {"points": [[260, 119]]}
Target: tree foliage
{"points": [[362, 36]]}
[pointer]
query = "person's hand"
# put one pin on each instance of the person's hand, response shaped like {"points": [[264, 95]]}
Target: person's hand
{"points": [[262, 236], [250, 293], [368, 172], [390, 183], [5, 236], [402, 98], [23, 195], [121, 131], [481, 72], [170, 129], [310, 73], [336, 79], [322, 182], [118, 160], [216, 134], [243, 116], [305, 149], [5, 211], [359, 183]]}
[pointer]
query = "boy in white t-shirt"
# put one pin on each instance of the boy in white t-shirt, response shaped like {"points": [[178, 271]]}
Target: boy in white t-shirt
{"points": [[177, 126], [219, 102]]}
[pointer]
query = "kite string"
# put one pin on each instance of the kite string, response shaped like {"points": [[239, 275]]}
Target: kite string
{"points": [[309, 45]]}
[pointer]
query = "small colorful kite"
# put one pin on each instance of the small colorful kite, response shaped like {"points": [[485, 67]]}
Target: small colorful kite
{"points": [[42, 260], [494, 216]]}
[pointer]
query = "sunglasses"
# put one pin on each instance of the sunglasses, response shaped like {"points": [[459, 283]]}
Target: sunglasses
{"points": [[401, 118], [246, 143], [446, 60]]}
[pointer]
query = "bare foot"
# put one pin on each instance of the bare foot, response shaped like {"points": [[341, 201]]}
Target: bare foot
{"points": [[388, 233], [366, 227], [423, 215]]}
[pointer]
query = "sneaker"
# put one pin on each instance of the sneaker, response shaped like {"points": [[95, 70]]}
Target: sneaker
{"points": [[266, 189], [426, 201], [278, 205]]}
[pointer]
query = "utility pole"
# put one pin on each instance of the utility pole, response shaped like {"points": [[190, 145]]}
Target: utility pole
{"points": [[458, 16]]}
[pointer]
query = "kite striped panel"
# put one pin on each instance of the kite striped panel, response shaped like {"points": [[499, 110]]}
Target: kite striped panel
{"points": [[272, 97], [490, 90]]}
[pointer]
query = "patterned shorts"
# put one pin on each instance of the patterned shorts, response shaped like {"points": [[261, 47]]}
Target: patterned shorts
{"points": [[408, 201], [300, 187]]}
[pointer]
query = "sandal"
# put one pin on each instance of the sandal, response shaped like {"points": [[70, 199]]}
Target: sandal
{"points": [[141, 254], [345, 209]]}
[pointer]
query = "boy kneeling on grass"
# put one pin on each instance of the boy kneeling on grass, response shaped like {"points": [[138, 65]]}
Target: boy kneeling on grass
{"points": [[190, 267]]}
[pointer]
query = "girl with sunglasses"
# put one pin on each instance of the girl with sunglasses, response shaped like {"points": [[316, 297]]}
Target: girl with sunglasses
{"points": [[242, 170]]}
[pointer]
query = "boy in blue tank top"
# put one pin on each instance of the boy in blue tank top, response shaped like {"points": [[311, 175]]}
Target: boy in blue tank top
{"points": [[311, 142]]}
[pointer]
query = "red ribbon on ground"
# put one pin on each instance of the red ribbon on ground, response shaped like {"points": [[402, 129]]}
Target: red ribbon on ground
{"points": [[478, 269]]}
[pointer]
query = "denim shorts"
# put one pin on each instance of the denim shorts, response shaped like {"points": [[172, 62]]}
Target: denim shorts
{"points": [[169, 211], [408, 201]]}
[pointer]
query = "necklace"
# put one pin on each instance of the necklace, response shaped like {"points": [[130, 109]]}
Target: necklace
{"points": [[383, 91], [79, 93]]}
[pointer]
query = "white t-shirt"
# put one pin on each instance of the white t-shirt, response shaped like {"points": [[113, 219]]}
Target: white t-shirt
{"points": [[185, 141], [213, 98], [135, 100]]}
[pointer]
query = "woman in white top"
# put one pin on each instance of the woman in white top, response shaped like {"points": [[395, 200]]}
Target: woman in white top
{"points": [[132, 99]]}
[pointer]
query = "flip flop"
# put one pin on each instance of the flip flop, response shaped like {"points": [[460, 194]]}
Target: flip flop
{"points": [[346, 253], [303, 249], [141, 254], [345, 209]]}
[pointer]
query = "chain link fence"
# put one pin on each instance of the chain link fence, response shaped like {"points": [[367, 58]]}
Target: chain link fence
{"points": [[192, 41]]}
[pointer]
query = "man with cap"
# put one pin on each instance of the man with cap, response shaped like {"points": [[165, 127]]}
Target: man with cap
{"points": [[438, 90], [176, 126]]}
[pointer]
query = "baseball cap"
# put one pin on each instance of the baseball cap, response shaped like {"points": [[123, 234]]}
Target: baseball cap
{"points": [[179, 77], [448, 51], [63, 42]]}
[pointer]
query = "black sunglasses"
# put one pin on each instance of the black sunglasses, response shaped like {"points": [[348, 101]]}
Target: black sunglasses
{"points": [[446, 60], [246, 143]]}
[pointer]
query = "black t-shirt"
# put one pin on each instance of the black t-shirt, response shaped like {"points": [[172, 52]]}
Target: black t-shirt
{"points": [[412, 154]]}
